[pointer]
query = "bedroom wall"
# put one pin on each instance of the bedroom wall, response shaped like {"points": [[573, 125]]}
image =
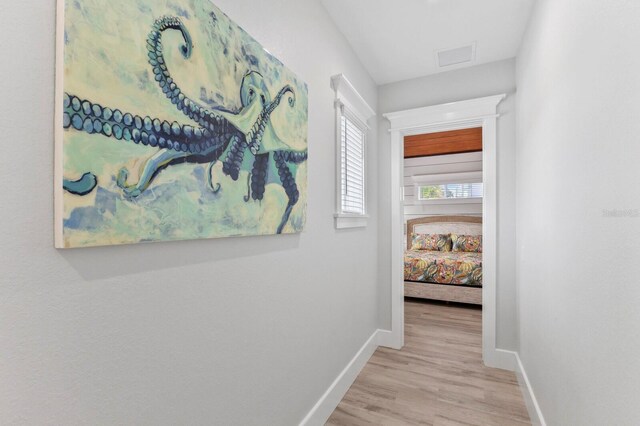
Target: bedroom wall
{"points": [[438, 164], [474, 82], [247, 331], [578, 210]]}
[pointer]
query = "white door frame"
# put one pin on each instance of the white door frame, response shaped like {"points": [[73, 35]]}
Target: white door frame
{"points": [[437, 118]]}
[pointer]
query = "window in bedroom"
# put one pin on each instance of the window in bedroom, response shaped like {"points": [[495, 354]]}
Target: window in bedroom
{"points": [[447, 188], [352, 113], [450, 191]]}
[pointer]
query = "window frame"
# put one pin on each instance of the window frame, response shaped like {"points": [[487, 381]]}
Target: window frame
{"points": [[447, 178], [353, 107]]}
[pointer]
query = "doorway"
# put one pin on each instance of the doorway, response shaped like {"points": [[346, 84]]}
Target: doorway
{"points": [[481, 112]]}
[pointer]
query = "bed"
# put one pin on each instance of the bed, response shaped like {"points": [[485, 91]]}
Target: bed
{"points": [[453, 276]]}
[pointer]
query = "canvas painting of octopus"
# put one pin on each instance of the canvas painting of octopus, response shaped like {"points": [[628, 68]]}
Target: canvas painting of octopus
{"points": [[172, 123]]}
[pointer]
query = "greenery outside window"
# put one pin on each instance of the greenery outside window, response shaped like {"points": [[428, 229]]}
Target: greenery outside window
{"points": [[450, 191], [449, 188]]}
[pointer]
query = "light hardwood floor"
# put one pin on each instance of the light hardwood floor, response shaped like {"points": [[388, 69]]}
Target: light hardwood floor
{"points": [[437, 378]]}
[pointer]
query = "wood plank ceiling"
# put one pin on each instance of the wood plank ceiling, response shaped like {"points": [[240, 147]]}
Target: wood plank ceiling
{"points": [[450, 142]]}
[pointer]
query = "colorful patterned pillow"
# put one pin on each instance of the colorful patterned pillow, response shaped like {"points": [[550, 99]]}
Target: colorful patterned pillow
{"points": [[468, 243], [435, 242]]}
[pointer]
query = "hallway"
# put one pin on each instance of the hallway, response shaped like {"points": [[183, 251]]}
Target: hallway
{"points": [[436, 379]]}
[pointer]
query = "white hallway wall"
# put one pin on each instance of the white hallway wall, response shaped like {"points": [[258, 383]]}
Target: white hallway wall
{"points": [[233, 331], [439, 164], [577, 158], [483, 80]]}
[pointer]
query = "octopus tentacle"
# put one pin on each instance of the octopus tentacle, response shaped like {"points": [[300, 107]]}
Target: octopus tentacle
{"points": [[155, 164], [160, 160], [93, 118], [215, 189], [259, 176], [248, 196], [216, 156], [203, 116], [82, 186], [289, 185], [295, 157], [276, 101], [233, 161]]}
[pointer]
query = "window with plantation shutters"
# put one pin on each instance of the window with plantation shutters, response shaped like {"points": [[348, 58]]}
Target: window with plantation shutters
{"points": [[352, 166], [352, 113]]}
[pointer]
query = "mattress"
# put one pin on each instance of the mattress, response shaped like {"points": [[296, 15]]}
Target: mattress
{"points": [[443, 267]]}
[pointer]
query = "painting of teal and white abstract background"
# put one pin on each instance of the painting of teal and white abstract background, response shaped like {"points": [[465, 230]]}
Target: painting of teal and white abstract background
{"points": [[174, 124]]}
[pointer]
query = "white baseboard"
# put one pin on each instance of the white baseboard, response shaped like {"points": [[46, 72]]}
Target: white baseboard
{"points": [[535, 414], [510, 360], [500, 358], [388, 339], [332, 397]]}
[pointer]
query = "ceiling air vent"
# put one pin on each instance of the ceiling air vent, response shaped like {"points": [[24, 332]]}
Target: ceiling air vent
{"points": [[457, 56]]}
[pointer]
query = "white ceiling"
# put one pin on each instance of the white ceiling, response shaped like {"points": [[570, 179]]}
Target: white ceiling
{"points": [[398, 39]]}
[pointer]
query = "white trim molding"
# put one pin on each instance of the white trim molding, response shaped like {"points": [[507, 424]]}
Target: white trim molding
{"points": [[348, 96], [349, 102], [346, 220], [328, 402], [533, 408], [453, 114], [481, 112]]}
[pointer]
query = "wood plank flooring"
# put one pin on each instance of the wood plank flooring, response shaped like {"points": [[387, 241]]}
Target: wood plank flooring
{"points": [[437, 379]]}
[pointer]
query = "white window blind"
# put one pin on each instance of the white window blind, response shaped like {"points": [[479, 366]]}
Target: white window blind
{"points": [[450, 191], [352, 114], [352, 154]]}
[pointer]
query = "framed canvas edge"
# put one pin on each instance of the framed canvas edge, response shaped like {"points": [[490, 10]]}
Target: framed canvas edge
{"points": [[58, 192]]}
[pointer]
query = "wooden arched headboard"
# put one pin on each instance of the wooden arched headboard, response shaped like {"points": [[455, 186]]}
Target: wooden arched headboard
{"points": [[453, 220]]}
